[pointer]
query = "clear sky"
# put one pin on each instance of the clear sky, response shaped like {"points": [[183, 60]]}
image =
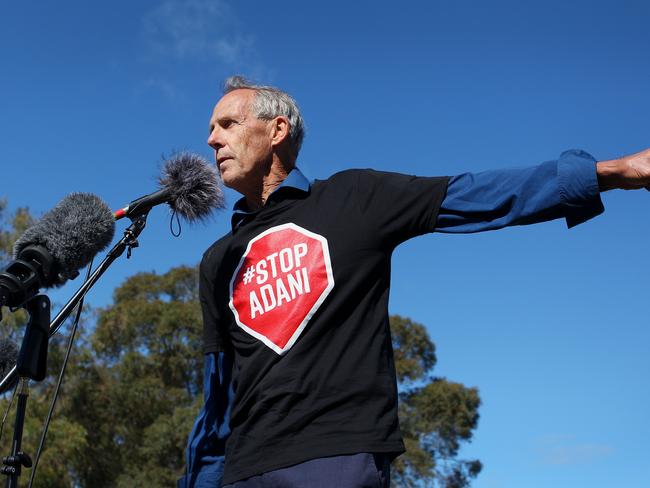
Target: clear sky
{"points": [[550, 324]]}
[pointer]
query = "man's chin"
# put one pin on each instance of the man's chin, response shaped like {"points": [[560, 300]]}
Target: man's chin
{"points": [[230, 182], [226, 179]]}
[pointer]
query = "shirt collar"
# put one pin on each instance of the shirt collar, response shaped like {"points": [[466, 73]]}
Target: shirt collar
{"points": [[295, 180]]}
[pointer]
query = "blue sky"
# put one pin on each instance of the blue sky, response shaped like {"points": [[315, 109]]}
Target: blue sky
{"points": [[550, 324]]}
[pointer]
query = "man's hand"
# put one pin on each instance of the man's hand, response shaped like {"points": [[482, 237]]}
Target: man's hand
{"points": [[628, 173]]}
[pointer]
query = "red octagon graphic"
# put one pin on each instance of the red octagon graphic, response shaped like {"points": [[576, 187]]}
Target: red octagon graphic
{"points": [[283, 277]]}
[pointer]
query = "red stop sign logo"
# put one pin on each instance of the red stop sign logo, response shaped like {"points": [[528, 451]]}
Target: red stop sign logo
{"points": [[283, 277]]}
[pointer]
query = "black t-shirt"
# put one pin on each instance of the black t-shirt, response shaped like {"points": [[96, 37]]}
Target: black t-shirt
{"points": [[299, 293]]}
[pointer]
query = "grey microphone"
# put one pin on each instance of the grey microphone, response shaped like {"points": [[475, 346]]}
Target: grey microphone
{"points": [[56, 247], [189, 184]]}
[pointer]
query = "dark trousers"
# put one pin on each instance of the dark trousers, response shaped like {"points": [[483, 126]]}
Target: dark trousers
{"points": [[362, 470]]}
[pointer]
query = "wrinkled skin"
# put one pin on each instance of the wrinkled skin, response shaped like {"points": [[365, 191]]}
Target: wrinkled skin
{"points": [[251, 153]]}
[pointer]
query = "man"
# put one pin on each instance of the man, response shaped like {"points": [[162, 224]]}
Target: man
{"points": [[300, 379]]}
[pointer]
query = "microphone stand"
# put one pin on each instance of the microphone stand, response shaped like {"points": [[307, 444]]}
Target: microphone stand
{"points": [[31, 363]]}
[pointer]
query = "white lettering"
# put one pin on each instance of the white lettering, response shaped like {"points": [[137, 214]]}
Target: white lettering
{"points": [[282, 292], [286, 260], [256, 306], [272, 297], [268, 297], [299, 250], [271, 259], [262, 274], [295, 285], [305, 280], [291, 280]]}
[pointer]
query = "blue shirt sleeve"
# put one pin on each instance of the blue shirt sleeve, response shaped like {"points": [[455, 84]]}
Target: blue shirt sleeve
{"points": [[205, 455], [564, 188]]}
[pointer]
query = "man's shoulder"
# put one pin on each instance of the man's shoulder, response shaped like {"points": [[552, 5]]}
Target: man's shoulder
{"points": [[346, 177], [365, 179], [351, 173], [356, 174]]}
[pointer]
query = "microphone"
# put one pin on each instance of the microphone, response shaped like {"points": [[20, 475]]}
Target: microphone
{"points": [[188, 183], [53, 250]]}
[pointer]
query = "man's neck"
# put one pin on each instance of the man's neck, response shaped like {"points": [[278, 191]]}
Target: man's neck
{"points": [[270, 183]]}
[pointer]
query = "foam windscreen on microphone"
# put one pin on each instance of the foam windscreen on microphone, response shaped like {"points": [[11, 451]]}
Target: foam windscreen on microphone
{"points": [[77, 228], [194, 186]]}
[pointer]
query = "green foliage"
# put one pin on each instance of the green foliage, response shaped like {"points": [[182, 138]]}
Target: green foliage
{"points": [[436, 415], [11, 228], [143, 381], [414, 353], [133, 389]]}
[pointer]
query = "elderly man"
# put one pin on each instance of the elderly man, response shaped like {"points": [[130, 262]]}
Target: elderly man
{"points": [[300, 386]]}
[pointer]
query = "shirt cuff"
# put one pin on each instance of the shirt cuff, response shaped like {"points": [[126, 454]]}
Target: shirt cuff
{"points": [[578, 184]]}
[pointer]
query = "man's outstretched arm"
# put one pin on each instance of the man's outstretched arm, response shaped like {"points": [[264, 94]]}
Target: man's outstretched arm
{"points": [[563, 188], [568, 187]]}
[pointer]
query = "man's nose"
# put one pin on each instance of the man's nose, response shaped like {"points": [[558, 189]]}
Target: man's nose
{"points": [[214, 139]]}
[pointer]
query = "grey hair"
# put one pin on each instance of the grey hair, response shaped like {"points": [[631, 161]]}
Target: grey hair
{"points": [[269, 103]]}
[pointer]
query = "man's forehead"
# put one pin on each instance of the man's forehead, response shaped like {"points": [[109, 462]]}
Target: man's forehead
{"points": [[233, 103]]}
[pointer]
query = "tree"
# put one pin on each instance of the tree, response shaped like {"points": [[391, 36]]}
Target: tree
{"points": [[435, 415], [149, 342], [10, 229]]}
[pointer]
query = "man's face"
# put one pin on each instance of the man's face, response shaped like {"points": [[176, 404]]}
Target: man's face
{"points": [[241, 141]]}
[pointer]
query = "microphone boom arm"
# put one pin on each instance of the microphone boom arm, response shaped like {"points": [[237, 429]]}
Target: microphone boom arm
{"points": [[142, 205]]}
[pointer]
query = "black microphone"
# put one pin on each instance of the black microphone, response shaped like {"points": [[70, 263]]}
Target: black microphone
{"points": [[53, 250], [189, 184]]}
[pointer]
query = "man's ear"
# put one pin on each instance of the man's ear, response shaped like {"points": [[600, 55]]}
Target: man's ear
{"points": [[279, 130]]}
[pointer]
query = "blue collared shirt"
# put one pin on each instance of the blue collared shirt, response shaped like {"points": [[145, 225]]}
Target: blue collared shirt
{"points": [[567, 187], [295, 180]]}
